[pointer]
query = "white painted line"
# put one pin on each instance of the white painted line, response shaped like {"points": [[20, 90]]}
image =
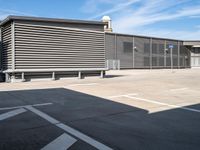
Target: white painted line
{"points": [[70, 130], [117, 96], [180, 89], [43, 115], [12, 113], [84, 84], [16, 107], [63, 142], [83, 137], [164, 104]]}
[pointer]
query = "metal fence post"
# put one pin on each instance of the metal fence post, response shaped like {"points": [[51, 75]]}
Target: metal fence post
{"points": [[150, 53]]}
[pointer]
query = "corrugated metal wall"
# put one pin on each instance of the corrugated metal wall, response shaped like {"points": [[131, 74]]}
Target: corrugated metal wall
{"points": [[93, 27], [7, 46], [146, 52], [49, 47]]}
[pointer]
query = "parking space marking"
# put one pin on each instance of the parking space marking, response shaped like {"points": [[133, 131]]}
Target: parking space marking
{"points": [[68, 129], [84, 84], [16, 107], [117, 96], [12, 113], [63, 142], [43, 115], [164, 104]]}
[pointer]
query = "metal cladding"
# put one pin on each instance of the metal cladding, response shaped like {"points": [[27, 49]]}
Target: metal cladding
{"points": [[145, 52], [33, 46], [36, 45], [6, 47], [49, 47]]}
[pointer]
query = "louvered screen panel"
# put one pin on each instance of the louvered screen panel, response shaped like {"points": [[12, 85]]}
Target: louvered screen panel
{"points": [[158, 53], [110, 46], [6, 47], [141, 52], [125, 51], [46, 47]]}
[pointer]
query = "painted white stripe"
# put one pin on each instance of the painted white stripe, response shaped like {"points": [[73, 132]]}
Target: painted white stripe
{"points": [[63, 142], [84, 84], [83, 137], [180, 89], [70, 130], [117, 96], [12, 113], [164, 104], [43, 115], [16, 107]]}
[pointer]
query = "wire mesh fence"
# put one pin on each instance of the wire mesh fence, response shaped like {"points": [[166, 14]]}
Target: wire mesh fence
{"points": [[146, 52]]}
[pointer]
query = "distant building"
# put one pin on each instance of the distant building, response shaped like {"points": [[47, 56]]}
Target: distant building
{"points": [[33, 47]]}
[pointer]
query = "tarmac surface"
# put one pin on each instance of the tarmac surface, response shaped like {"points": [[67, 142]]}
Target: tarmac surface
{"points": [[127, 110]]}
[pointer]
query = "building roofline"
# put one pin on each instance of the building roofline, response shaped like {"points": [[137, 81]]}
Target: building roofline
{"points": [[44, 19], [192, 41], [143, 36]]}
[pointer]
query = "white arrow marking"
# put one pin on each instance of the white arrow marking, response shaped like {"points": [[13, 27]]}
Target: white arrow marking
{"points": [[63, 142], [12, 113]]}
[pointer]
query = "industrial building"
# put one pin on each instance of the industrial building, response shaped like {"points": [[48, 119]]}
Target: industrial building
{"points": [[33, 47], [42, 47]]}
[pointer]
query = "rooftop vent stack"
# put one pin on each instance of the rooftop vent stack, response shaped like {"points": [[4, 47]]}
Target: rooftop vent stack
{"points": [[108, 26]]}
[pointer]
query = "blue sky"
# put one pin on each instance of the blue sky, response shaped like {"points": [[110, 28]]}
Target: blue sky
{"points": [[178, 19]]}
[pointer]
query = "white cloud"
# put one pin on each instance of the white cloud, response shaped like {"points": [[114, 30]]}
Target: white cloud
{"points": [[116, 8], [155, 14], [133, 16], [174, 34]]}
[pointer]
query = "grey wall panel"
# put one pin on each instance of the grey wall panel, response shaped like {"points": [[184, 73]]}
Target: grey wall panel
{"points": [[43, 47], [1, 52], [125, 51], [6, 46], [184, 56], [142, 52], [110, 46], [158, 53], [94, 27]]}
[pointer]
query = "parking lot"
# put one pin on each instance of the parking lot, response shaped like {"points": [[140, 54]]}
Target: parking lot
{"points": [[127, 110]]}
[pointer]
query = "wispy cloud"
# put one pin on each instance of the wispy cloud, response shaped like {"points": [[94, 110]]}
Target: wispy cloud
{"points": [[137, 15], [116, 8], [153, 12]]}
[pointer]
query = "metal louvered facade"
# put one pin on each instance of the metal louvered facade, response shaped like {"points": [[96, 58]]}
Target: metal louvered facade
{"points": [[6, 45], [146, 52], [45, 47], [52, 48]]}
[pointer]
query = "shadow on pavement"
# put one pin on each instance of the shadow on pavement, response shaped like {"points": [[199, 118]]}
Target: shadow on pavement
{"points": [[116, 125]]}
